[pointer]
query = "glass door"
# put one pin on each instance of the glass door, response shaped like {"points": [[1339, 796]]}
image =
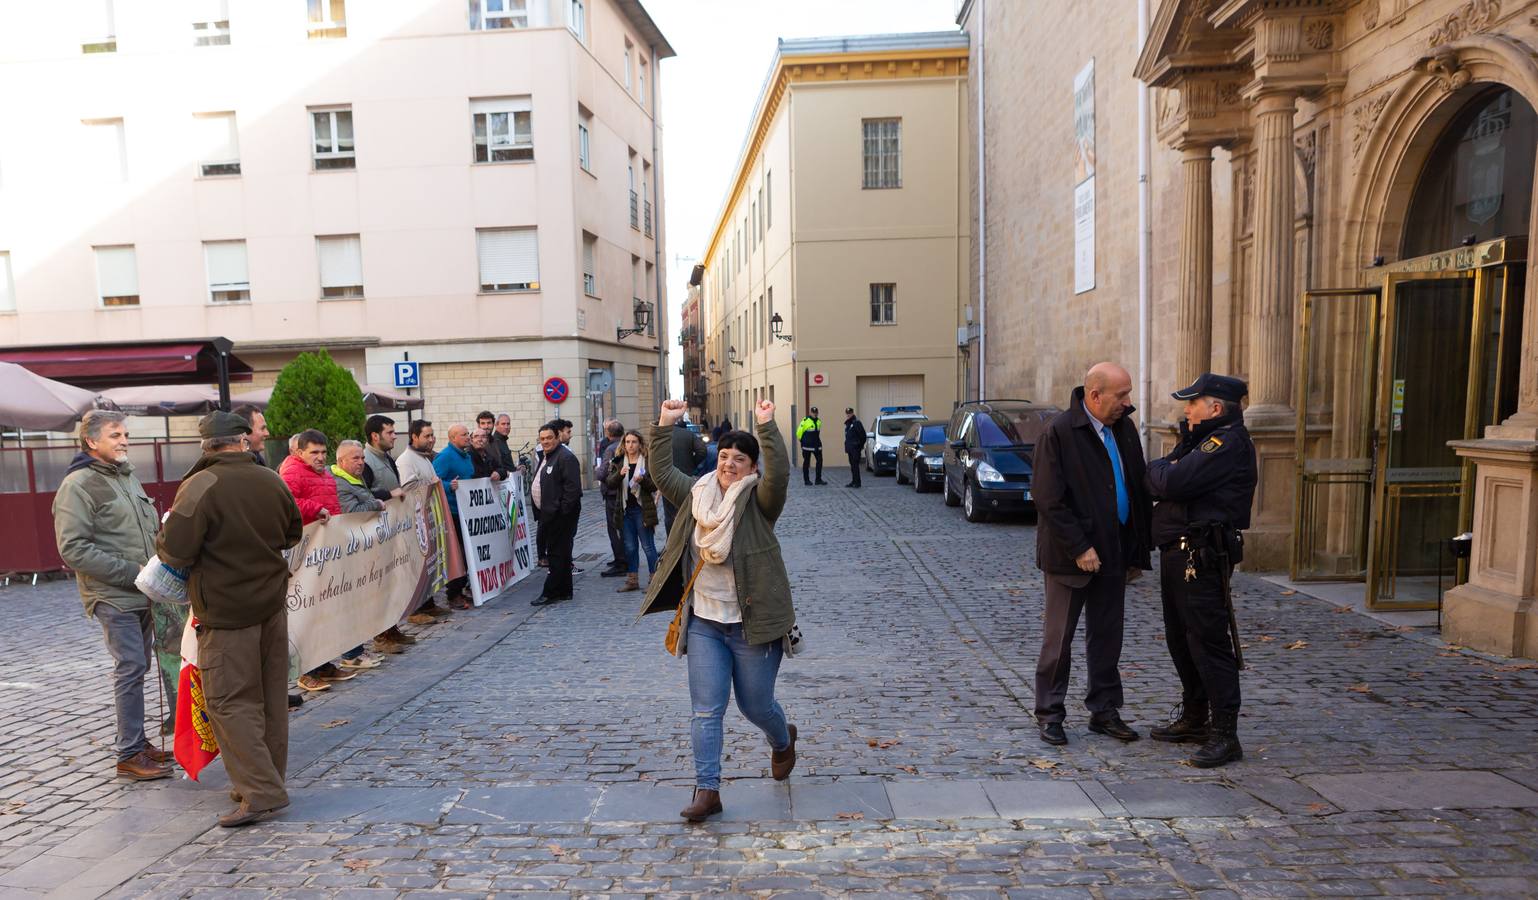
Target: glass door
{"points": [[1337, 374], [1433, 365]]}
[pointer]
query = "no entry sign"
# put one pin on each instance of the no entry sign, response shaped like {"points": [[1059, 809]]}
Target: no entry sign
{"points": [[556, 390]]}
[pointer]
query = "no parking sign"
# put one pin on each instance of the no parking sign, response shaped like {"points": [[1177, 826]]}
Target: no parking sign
{"points": [[556, 390]]}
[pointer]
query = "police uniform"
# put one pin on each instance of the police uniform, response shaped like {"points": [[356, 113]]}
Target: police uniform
{"points": [[1204, 488]]}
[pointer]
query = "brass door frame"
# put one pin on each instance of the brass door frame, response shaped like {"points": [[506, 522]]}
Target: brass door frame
{"points": [[1303, 480], [1382, 550]]}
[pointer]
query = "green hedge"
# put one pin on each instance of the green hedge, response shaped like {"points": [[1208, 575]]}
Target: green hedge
{"points": [[314, 392]]}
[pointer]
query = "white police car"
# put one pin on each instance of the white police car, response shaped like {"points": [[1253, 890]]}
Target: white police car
{"points": [[885, 434]]}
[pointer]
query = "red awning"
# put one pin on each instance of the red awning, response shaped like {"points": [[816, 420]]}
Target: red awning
{"points": [[101, 366]]}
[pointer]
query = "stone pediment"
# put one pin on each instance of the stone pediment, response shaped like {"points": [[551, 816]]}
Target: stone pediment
{"points": [[1183, 39]]}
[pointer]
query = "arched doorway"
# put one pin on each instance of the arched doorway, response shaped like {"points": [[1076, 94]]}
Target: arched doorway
{"points": [[1428, 354]]}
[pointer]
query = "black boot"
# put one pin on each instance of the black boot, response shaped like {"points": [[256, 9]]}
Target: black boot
{"points": [[1189, 728], [1222, 745]]}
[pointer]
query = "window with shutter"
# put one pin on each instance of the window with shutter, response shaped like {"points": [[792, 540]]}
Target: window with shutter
{"points": [[98, 25], [328, 19], [117, 276], [332, 145], [589, 265], [210, 23], [227, 278], [7, 285], [218, 144], [106, 151], [503, 129], [509, 259], [341, 266], [584, 155]]}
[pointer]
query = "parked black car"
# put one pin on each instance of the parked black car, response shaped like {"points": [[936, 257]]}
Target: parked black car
{"points": [[921, 455], [988, 456]]}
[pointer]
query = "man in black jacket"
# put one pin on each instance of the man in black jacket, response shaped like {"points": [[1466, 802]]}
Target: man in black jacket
{"points": [[558, 498], [854, 445], [613, 433], [1092, 538], [688, 452]]}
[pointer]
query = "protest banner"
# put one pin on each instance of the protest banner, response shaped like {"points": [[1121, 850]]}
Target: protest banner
{"points": [[523, 533], [495, 535]]}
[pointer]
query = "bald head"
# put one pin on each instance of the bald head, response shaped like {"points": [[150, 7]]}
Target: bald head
{"points": [[459, 435], [1107, 392]]}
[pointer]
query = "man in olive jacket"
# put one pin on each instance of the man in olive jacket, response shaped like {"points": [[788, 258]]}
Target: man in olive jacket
{"points": [[105, 526], [228, 527], [1092, 538]]}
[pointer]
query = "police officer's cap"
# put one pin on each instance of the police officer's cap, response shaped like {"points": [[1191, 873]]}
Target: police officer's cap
{"points": [[1221, 387], [220, 424]]}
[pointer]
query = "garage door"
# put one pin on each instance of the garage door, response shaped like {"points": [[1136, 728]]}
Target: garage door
{"points": [[875, 391]]}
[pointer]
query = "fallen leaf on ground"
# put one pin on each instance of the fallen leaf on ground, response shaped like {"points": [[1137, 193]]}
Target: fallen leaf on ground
{"points": [[334, 723], [1296, 645], [911, 770], [555, 850], [1342, 609], [969, 640], [358, 865], [1352, 645], [1319, 807], [514, 738], [1404, 628], [1288, 593], [1415, 674], [851, 815], [1266, 638], [1360, 688], [1044, 764]]}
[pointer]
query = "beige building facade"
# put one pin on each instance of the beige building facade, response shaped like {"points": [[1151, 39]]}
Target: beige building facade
{"points": [[475, 187], [1330, 199], [836, 272]]}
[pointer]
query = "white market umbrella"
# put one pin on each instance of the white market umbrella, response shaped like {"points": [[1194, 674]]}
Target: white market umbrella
{"points": [[164, 400], [30, 401]]}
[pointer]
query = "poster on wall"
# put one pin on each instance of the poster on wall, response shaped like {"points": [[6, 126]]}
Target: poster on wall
{"points": [[1084, 179]]}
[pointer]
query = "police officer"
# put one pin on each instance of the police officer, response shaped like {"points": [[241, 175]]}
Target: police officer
{"points": [[854, 444], [809, 435], [1204, 489]]}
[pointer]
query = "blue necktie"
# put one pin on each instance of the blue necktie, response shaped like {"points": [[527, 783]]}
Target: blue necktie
{"points": [[1122, 503]]}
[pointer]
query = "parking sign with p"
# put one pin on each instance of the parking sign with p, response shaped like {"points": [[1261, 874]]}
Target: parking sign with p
{"points": [[408, 375]]}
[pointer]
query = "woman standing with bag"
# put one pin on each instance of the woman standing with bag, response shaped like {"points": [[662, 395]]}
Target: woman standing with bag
{"points": [[723, 575], [635, 514]]}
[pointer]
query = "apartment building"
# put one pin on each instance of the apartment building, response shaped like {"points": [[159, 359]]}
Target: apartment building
{"points": [[837, 270], [475, 186]]}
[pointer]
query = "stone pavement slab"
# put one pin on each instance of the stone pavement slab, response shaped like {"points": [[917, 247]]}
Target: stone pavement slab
{"points": [[939, 800], [1040, 800], [1167, 798], [867, 799], [1422, 790], [525, 803]]}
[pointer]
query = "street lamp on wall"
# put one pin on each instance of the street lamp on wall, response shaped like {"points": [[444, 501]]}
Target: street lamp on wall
{"points": [[731, 356], [776, 325], [643, 319]]}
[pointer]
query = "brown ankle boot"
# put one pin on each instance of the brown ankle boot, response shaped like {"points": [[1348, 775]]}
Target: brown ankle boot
{"points": [[632, 583], [704, 805], [140, 767], [781, 762]]}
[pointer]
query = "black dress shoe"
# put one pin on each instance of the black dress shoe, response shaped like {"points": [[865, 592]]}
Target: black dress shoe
{"points": [[616, 571], [1111, 724], [295, 700], [1052, 733], [542, 600], [820, 481]]}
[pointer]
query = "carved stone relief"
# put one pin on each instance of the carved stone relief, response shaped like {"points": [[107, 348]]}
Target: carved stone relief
{"points": [[1363, 118], [1370, 14], [1445, 68], [1472, 18], [1319, 33]]}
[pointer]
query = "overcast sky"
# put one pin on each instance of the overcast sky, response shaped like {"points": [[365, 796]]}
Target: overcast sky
{"points": [[710, 89]]}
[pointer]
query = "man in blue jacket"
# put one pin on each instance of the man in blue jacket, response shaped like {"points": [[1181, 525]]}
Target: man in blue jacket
{"points": [[450, 465]]}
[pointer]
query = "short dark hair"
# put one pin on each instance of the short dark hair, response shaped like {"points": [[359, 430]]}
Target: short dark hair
{"points": [[418, 425], [247, 411], [552, 427], [375, 425], [485, 414], [614, 429], [561, 424], [310, 437], [743, 441]]}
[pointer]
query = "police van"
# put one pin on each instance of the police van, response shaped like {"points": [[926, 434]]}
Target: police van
{"points": [[885, 434]]}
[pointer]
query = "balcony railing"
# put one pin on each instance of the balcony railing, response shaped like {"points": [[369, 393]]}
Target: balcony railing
{"points": [[648, 218], [635, 210]]}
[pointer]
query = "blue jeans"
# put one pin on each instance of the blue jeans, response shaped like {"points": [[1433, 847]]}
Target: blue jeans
{"points": [[130, 639], [636, 533], [719, 659]]}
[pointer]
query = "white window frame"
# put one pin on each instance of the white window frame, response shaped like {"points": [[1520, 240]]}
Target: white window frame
{"points": [[482, 19], [584, 147], [506, 287], [106, 40], [482, 113], [237, 291], [214, 168], [641, 81], [7, 284], [883, 303], [590, 265], [339, 291], [330, 26], [629, 54], [334, 154], [576, 20], [212, 32], [881, 153], [118, 300], [120, 136]]}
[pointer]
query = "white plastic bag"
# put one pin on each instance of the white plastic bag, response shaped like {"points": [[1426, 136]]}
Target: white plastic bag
{"points": [[161, 583]]}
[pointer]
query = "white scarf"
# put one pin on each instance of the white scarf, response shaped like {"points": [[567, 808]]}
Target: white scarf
{"points": [[633, 480], [714, 511]]}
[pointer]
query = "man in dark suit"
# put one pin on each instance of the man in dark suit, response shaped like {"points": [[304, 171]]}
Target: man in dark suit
{"points": [[558, 498], [1092, 538]]}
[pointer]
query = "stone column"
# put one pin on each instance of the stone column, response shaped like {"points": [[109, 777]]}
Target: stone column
{"points": [[1275, 212], [1193, 354]]}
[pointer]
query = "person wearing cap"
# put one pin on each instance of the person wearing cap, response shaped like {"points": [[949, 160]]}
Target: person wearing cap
{"points": [[104, 524], [1205, 488], [854, 445], [228, 527], [1092, 539], [809, 436]]}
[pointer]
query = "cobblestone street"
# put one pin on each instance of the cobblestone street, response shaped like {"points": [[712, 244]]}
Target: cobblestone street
{"points": [[546, 750]]}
